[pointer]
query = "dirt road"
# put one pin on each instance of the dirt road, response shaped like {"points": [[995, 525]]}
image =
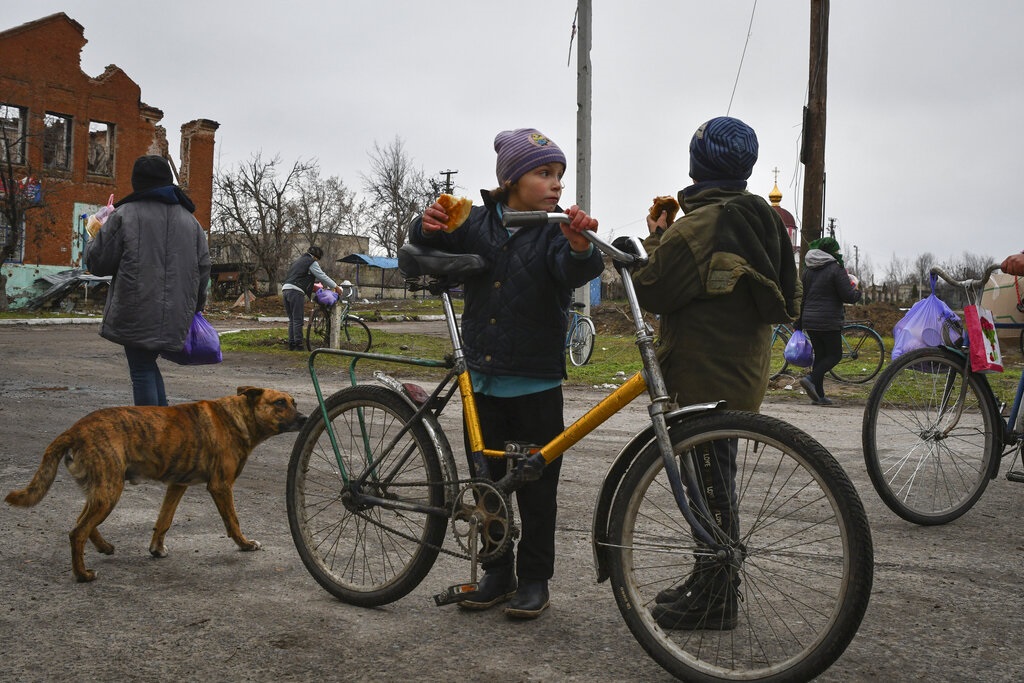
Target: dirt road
{"points": [[946, 606]]}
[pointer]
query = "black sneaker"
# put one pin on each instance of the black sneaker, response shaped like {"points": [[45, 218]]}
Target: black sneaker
{"points": [[497, 586], [710, 603], [675, 592]]}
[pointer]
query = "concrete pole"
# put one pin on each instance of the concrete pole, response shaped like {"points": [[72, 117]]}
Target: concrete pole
{"points": [[584, 102]]}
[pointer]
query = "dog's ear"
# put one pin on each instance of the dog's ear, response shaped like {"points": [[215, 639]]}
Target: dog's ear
{"points": [[252, 393]]}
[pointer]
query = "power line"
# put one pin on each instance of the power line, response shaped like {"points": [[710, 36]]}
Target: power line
{"points": [[742, 55]]}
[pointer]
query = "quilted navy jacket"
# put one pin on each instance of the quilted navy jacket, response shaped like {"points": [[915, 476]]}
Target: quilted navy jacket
{"points": [[515, 314]]}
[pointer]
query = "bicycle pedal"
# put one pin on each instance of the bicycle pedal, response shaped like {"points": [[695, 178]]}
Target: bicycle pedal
{"points": [[1015, 475], [455, 593]]}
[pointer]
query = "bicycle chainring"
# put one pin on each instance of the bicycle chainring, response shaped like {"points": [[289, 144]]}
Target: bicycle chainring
{"points": [[480, 501]]}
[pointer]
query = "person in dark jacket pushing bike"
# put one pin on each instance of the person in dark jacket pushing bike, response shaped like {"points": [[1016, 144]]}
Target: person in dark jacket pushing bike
{"points": [[513, 327], [827, 286]]}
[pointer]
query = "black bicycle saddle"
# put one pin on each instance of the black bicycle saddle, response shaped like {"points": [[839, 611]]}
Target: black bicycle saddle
{"points": [[415, 260]]}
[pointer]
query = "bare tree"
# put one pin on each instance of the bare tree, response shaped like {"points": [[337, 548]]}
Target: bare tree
{"points": [[398, 193], [974, 265], [922, 265], [252, 204], [324, 206]]}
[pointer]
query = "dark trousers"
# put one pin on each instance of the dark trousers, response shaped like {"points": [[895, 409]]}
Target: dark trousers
{"points": [[715, 462], [534, 419], [828, 351], [295, 308], [147, 382]]}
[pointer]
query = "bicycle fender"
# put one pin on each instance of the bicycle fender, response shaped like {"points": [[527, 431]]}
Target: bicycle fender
{"points": [[437, 437], [618, 469]]}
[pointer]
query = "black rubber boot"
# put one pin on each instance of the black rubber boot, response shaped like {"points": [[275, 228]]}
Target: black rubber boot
{"points": [[497, 586], [531, 599]]}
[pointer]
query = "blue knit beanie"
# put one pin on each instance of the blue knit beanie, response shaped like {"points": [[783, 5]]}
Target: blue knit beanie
{"points": [[723, 148], [522, 150]]}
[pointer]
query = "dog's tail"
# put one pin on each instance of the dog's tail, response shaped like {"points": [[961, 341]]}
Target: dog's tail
{"points": [[47, 472]]}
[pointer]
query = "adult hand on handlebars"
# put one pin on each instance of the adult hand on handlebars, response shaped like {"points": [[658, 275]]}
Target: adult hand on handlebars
{"points": [[434, 218], [579, 221], [1013, 264]]}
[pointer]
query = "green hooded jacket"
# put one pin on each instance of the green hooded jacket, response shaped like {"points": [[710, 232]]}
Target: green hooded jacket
{"points": [[719, 277]]}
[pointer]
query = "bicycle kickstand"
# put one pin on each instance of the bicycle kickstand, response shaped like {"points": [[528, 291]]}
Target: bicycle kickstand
{"points": [[459, 591]]}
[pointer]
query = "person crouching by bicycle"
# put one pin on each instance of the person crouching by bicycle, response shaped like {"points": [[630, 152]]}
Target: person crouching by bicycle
{"points": [[514, 326], [827, 286], [298, 289], [719, 277]]}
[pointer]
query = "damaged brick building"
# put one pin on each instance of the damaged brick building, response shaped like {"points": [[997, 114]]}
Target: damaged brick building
{"points": [[73, 138]]}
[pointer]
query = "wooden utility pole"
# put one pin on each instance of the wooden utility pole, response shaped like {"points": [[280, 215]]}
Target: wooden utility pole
{"points": [[584, 99], [812, 151]]}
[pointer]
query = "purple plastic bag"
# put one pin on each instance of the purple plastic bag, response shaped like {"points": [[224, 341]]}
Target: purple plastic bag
{"points": [[202, 345], [929, 322], [327, 297], [798, 350]]}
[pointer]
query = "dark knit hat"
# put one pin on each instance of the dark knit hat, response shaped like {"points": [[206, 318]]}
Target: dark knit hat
{"points": [[315, 251], [150, 172], [723, 148], [522, 150]]}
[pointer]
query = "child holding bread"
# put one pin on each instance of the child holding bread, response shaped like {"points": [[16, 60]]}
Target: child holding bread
{"points": [[514, 327]]}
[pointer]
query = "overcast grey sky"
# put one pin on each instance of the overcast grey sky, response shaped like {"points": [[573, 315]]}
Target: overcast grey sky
{"points": [[924, 138]]}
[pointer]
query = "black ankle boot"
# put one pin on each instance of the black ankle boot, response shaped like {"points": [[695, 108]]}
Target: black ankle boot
{"points": [[498, 585], [711, 602], [531, 599]]}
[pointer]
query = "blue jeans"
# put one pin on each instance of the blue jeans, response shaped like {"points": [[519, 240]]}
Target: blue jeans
{"points": [[147, 382]]}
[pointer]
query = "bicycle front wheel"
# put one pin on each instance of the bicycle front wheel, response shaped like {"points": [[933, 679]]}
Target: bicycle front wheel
{"points": [[804, 575], [863, 355], [778, 363], [581, 341], [318, 329], [355, 335], [929, 441], [365, 553]]}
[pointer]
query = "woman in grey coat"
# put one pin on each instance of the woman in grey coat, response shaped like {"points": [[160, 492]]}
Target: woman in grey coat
{"points": [[827, 286], [157, 253]]}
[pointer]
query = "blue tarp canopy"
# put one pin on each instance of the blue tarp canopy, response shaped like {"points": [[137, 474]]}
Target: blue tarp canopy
{"points": [[382, 262]]}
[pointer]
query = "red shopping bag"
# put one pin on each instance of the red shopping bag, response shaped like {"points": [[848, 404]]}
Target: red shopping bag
{"points": [[982, 339]]}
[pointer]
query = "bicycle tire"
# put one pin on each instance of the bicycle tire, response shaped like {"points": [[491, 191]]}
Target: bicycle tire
{"points": [[581, 341], [778, 363], [372, 555], [318, 329], [863, 355], [925, 477], [806, 578], [354, 334]]}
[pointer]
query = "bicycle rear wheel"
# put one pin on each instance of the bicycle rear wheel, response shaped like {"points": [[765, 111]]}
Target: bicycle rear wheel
{"points": [[863, 355], [318, 329], [928, 441], [362, 553], [778, 363], [581, 341], [355, 335], [806, 572]]}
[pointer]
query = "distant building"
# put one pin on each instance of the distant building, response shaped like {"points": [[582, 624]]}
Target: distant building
{"points": [[775, 197], [75, 137]]}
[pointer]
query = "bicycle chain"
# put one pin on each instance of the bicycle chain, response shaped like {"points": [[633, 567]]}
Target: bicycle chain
{"points": [[466, 484]]}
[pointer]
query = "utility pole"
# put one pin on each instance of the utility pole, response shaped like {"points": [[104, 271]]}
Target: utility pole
{"points": [[812, 151], [448, 185], [584, 99], [832, 228]]}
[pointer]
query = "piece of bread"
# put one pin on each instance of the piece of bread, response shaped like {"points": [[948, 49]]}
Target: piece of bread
{"points": [[664, 203], [457, 209]]}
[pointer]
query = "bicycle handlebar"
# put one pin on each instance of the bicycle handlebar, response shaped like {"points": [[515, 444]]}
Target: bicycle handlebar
{"points": [[526, 219], [969, 283]]}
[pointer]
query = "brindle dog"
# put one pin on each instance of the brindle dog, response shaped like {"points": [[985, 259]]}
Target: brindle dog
{"points": [[191, 443]]}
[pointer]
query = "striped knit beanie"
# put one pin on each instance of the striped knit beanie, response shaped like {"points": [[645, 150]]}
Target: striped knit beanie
{"points": [[522, 150], [723, 148]]}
